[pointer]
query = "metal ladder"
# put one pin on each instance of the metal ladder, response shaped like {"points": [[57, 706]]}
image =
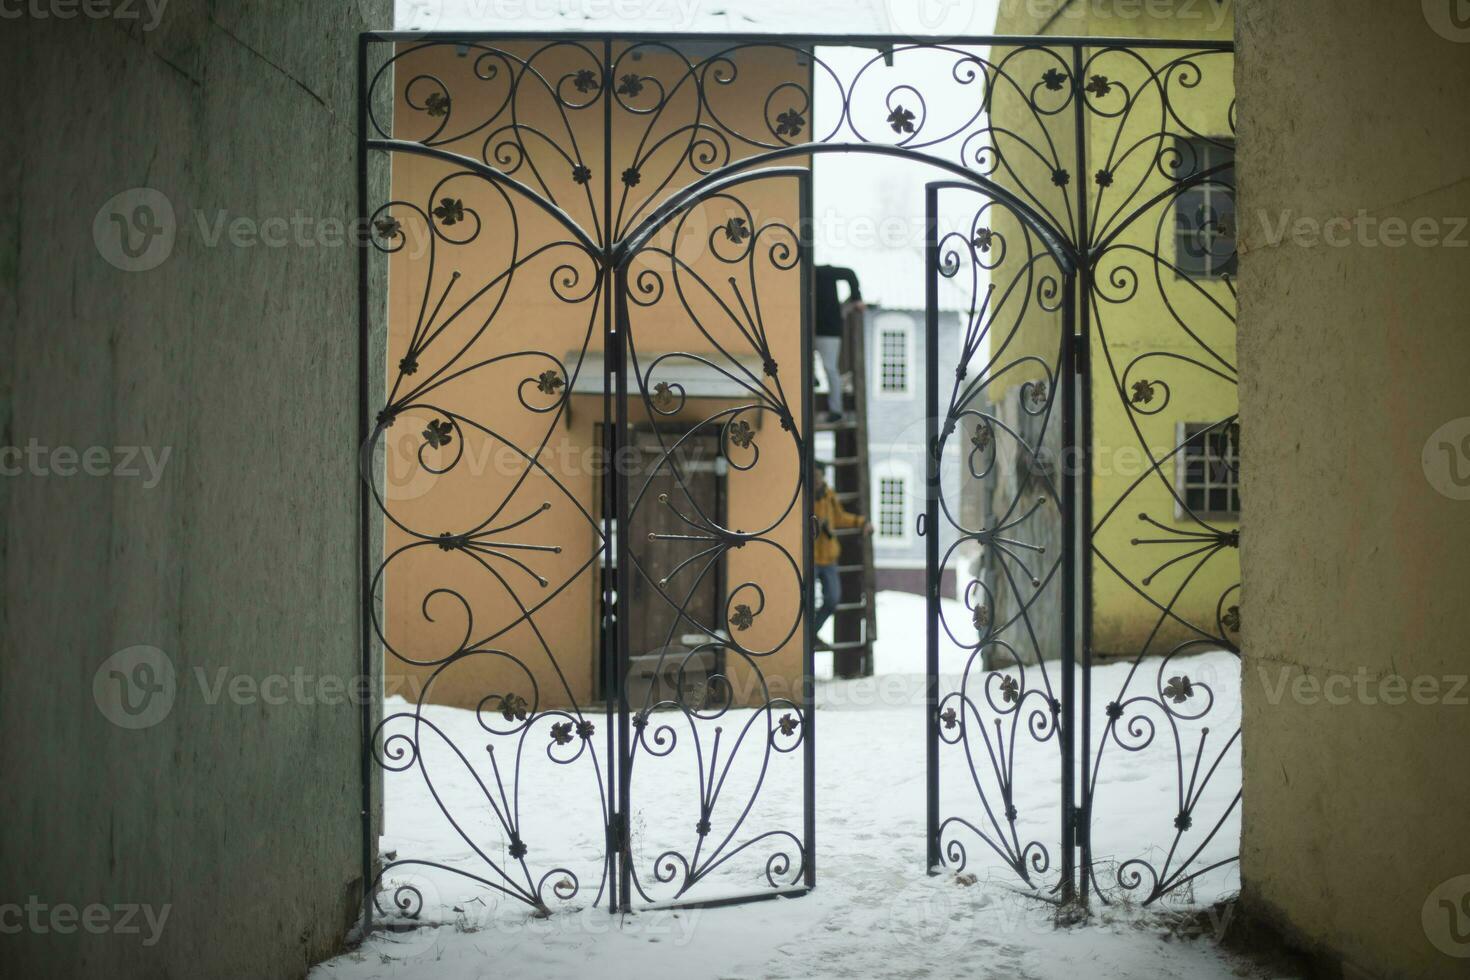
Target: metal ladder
{"points": [[854, 623]]}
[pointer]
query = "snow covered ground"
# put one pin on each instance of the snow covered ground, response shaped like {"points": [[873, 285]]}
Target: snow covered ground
{"points": [[874, 912]]}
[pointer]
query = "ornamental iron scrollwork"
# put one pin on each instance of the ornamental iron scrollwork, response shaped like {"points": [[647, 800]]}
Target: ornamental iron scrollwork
{"points": [[554, 200], [996, 409], [704, 295]]}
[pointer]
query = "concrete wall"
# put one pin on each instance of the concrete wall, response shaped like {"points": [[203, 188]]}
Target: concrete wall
{"points": [[236, 816], [1357, 547]]}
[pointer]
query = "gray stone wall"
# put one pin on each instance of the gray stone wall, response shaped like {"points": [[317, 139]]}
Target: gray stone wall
{"points": [[228, 821]]}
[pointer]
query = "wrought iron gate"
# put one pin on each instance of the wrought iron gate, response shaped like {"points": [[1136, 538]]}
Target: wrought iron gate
{"points": [[1112, 299], [601, 243]]}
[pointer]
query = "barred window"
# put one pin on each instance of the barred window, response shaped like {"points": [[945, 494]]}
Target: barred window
{"points": [[893, 360], [893, 498], [1208, 469], [1204, 215]]}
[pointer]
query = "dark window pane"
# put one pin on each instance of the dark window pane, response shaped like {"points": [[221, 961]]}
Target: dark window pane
{"points": [[1204, 214]]}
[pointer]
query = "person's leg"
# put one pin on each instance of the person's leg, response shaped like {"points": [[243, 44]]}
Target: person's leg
{"points": [[830, 350], [831, 583]]}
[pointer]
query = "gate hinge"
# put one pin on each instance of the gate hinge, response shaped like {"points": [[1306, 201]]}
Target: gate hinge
{"points": [[1079, 826], [614, 351], [1079, 353]]}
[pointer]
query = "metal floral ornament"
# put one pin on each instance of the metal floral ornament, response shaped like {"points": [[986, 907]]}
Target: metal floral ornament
{"points": [[450, 210], [790, 123], [586, 81], [901, 120], [439, 433], [742, 618], [387, 227], [1179, 689], [741, 433], [513, 707], [663, 396]]}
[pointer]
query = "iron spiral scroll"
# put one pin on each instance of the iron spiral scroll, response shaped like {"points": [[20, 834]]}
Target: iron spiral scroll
{"points": [[519, 134]]}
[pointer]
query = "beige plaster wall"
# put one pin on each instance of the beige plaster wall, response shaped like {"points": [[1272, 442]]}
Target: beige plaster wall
{"points": [[1355, 564]]}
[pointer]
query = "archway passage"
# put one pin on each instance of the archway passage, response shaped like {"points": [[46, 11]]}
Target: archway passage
{"points": [[595, 405]]}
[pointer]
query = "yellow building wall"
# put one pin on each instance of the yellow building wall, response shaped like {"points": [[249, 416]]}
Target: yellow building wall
{"points": [[513, 329], [1133, 315]]}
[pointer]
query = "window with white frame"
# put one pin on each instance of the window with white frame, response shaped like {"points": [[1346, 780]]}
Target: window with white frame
{"points": [[893, 482], [893, 518], [895, 351], [1207, 469]]}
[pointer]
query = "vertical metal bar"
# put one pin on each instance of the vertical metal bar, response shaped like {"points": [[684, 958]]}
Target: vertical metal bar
{"points": [[1066, 381], [607, 642], [1080, 510], [1084, 466], [932, 576], [808, 457], [611, 682], [607, 645], [362, 473], [624, 586]]}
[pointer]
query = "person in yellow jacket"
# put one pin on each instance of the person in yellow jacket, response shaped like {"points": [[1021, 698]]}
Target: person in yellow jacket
{"points": [[830, 515]]}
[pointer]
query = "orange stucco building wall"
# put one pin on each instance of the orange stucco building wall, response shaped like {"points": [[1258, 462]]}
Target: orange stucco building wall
{"points": [[501, 314]]}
